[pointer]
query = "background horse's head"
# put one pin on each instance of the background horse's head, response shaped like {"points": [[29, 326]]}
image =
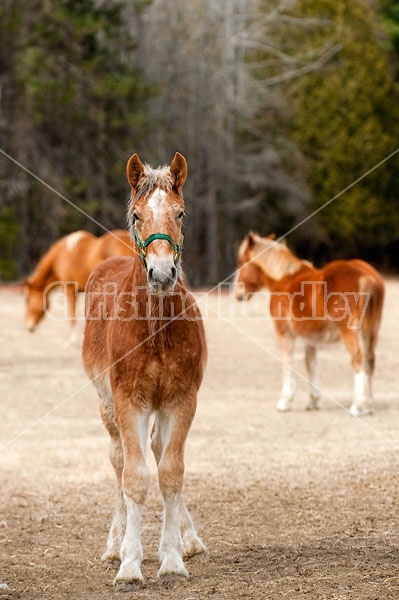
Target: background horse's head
{"points": [[156, 213], [250, 277], [36, 304]]}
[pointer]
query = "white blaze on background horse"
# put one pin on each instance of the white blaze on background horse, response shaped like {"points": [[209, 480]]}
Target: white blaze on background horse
{"points": [[148, 363], [344, 300], [69, 263]]}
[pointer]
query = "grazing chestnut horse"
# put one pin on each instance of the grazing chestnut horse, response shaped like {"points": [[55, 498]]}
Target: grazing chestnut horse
{"points": [[343, 300], [70, 261], [144, 350]]}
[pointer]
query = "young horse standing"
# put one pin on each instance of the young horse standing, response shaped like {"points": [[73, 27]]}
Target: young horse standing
{"points": [[70, 261], [343, 300], [145, 351]]}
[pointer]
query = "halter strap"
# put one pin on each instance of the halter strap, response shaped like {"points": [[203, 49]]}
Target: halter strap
{"points": [[143, 244]]}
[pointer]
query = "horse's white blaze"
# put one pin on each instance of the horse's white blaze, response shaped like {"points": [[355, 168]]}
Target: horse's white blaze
{"points": [[155, 201], [72, 239]]}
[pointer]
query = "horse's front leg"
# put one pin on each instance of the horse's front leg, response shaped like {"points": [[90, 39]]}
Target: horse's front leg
{"points": [[172, 429], [192, 543], [287, 342], [133, 425]]}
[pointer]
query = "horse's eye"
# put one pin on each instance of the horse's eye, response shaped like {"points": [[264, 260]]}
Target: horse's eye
{"points": [[180, 215], [136, 217]]}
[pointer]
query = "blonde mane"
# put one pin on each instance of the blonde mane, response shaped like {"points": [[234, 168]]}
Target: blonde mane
{"points": [[273, 257]]}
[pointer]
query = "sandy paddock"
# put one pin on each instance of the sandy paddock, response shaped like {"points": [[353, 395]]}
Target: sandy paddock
{"points": [[298, 505]]}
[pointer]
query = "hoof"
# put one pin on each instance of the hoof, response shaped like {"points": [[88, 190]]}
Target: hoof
{"points": [[122, 585], [312, 406], [111, 559], [283, 407], [172, 569], [193, 547], [129, 577], [356, 412], [171, 578]]}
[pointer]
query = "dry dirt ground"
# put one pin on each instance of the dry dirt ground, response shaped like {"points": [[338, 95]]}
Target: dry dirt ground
{"points": [[298, 505]]}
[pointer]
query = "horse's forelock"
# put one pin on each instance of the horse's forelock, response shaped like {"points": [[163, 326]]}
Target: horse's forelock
{"points": [[154, 178]]}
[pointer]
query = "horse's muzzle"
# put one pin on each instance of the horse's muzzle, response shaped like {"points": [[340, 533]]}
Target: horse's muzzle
{"points": [[162, 278]]}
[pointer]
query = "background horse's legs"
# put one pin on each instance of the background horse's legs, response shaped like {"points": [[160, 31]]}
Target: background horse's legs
{"points": [[71, 294], [369, 343], [118, 525], [287, 342], [192, 543], [133, 426], [354, 343], [312, 369], [168, 440]]}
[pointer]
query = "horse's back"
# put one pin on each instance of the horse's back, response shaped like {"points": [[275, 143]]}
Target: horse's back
{"points": [[117, 243], [336, 276], [69, 263], [341, 293], [114, 243]]}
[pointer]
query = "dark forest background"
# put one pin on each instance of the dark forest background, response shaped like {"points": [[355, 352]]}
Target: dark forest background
{"points": [[278, 106]]}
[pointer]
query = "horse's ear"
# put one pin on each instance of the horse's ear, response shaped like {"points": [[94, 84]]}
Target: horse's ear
{"points": [[178, 170], [134, 170], [251, 239], [271, 236]]}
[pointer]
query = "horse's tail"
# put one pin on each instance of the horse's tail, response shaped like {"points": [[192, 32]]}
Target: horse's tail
{"points": [[371, 302]]}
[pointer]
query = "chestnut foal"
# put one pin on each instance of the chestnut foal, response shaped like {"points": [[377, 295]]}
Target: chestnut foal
{"points": [[343, 300], [144, 349]]}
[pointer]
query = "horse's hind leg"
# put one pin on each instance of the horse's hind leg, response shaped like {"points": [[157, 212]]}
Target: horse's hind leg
{"points": [[192, 543], [311, 366], [354, 342], [118, 525], [369, 343]]}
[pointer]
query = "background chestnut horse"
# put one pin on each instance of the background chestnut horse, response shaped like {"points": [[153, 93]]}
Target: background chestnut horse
{"points": [[343, 300], [142, 359], [71, 259]]}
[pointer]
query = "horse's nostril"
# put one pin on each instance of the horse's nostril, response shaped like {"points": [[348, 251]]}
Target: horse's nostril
{"points": [[150, 274], [173, 272]]}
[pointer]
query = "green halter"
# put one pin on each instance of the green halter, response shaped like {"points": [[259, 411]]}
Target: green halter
{"points": [[177, 248]]}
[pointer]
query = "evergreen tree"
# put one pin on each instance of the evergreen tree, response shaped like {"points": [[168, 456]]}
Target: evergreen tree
{"points": [[346, 120], [73, 97]]}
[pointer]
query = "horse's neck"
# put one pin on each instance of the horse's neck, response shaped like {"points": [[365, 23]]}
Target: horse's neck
{"points": [[276, 262], [157, 307], [157, 313], [43, 275]]}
